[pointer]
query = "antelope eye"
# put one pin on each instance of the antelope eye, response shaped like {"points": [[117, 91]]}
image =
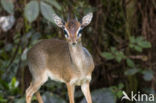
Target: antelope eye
{"points": [[65, 32], [66, 35], [79, 33], [80, 30]]}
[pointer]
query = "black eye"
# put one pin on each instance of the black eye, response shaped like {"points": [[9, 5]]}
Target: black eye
{"points": [[65, 32], [80, 30], [79, 33]]}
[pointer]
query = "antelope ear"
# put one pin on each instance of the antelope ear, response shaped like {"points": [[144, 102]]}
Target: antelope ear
{"points": [[58, 21], [87, 19]]}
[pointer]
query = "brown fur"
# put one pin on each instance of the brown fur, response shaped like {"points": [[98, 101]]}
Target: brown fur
{"points": [[53, 54], [72, 26]]}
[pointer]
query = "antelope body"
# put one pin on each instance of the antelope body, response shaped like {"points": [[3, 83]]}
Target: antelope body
{"points": [[65, 61]]}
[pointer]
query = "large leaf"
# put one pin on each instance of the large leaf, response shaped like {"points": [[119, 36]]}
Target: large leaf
{"points": [[130, 63], [54, 3], [119, 56], [107, 55], [8, 6], [31, 10], [144, 44], [132, 39], [138, 48], [113, 50], [46, 11], [131, 71], [148, 75]]}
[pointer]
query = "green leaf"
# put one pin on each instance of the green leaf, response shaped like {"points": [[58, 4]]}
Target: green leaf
{"points": [[144, 44], [118, 59], [132, 39], [14, 83], [8, 6], [130, 63], [121, 86], [47, 11], [148, 75], [131, 71], [107, 55], [119, 94], [138, 48], [139, 39], [113, 50], [54, 3], [131, 45], [119, 56], [31, 11], [3, 100]]}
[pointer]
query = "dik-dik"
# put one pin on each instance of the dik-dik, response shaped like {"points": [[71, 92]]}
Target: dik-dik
{"points": [[65, 61]]}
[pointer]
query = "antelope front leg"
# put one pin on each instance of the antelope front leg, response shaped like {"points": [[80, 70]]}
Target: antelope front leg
{"points": [[71, 89], [86, 91], [39, 98]]}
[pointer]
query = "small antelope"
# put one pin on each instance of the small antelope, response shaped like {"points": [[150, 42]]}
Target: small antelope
{"points": [[65, 61]]}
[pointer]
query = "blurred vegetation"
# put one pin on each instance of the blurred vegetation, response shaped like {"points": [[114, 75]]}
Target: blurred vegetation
{"points": [[121, 39]]}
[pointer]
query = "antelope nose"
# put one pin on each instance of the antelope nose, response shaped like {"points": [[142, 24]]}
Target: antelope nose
{"points": [[74, 43]]}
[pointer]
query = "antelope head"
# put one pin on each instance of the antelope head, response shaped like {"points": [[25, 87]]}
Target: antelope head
{"points": [[72, 28]]}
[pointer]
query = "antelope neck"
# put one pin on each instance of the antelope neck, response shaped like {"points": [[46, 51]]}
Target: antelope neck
{"points": [[77, 55]]}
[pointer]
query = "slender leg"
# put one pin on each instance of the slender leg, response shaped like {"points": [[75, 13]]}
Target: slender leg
{"points": [[39, 98], [34, 86], [71, 89], [28, 96], [86, 91]]}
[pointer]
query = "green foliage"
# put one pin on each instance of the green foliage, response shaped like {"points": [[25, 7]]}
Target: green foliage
{"points": [[2, 100], [11, 88], [117, 90], [46, 11], [114, 54], [54, 3], [138, 43], [148, 75], [130, 63], [31, 10], [131, 72], [8, 6], [107, 55]]}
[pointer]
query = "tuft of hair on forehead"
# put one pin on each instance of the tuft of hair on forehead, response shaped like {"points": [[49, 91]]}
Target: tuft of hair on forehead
{"points": [[72, 25]]}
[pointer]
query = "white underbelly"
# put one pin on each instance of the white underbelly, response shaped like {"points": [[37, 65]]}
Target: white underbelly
{"points": [[80, 80], [53, 76]]}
